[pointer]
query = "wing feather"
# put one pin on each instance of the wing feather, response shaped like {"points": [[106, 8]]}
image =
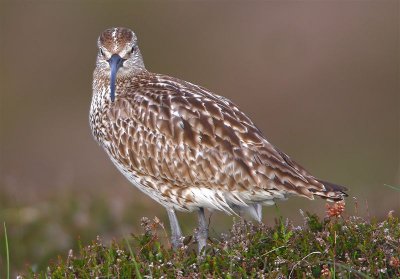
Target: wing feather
{"points": [[184, 135]]}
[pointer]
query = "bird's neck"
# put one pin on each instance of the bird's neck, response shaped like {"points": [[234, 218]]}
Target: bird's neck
{"points": [[101, 83], [101, 100]]}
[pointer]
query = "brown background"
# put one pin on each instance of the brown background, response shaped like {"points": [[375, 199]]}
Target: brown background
{"points": [[320, 78]]}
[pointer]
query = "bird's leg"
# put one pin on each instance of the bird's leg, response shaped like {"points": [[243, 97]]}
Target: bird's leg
{"points": [[258, 208], [176, 233], [202, 232]]}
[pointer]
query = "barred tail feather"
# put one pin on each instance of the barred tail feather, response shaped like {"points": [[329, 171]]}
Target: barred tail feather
{"points": [[333, 192]]}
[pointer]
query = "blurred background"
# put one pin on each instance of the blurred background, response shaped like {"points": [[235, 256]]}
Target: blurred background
{"points": [[319, 78]]}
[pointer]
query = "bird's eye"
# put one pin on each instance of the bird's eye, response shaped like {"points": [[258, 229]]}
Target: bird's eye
{"points": [[133, 49], [102, 52]]}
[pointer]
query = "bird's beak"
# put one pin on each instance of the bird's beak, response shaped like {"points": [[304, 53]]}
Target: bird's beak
{"points": [[115, 63]]}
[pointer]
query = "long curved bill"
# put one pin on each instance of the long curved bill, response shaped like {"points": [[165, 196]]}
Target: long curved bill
{"points": [[115, 63]]}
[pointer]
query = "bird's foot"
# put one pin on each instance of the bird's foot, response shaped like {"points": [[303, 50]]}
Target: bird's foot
{"points": [[176, 242]]}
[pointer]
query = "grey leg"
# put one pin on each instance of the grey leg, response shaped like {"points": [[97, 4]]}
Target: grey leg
{"points": [[176, 233], [202, 233], [258, 208]]}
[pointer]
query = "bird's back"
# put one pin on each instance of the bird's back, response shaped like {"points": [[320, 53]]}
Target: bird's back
{"points": [[188, 148]]}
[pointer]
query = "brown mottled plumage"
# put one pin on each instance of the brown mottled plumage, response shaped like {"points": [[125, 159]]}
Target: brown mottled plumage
{"points": [[185, 146]]}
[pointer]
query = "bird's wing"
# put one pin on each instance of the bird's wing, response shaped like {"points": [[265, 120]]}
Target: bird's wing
{"points": [[184, 135]]}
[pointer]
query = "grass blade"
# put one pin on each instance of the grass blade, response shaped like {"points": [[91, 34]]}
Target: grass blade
{"points": [[137, 271], [7, 251], [397, 188]]}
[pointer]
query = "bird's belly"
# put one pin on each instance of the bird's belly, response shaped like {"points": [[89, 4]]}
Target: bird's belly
{"points": [[218, 197], [192, 198], [148, 185]]}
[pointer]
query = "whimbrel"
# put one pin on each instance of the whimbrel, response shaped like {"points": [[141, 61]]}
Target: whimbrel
{"points": [[185, 146]]}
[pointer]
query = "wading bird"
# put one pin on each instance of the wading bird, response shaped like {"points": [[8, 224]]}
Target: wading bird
{"points": [[183, 145]]}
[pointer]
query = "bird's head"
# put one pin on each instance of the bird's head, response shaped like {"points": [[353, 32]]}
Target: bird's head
{"points": [[118, 54]]}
